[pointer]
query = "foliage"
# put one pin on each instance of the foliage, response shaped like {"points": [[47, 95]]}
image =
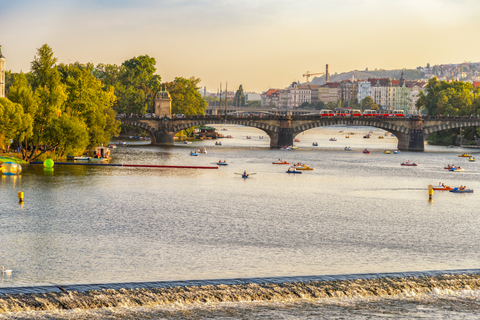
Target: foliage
{"points": [[453, 98], [239, 99], [305, 105], [319, 105], [14, 124], [368, 104], [186, 99], [254, 104]]}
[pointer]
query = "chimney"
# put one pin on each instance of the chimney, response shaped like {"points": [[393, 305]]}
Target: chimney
{"points": [[326, 74]]}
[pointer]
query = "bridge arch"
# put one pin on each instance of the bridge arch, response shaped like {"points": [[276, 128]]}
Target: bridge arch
{"points": [[454, 124], [145, 126]]}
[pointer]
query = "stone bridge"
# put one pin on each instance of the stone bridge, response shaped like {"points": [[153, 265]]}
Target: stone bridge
{"points": [[410, 131]]}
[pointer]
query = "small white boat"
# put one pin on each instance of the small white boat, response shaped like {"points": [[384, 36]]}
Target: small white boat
{"points": [[204, 150], [187, 142]]}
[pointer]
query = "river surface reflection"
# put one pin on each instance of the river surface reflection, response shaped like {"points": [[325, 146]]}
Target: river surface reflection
{"points": [[355, 213]]}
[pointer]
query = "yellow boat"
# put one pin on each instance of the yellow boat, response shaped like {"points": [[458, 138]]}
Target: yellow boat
{"points": [[303, 168], [465, 155], [471, 159], [387, 152]]}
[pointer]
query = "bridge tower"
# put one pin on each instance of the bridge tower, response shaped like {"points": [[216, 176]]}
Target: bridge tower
{"points": [[163, 104], [2, 74]]}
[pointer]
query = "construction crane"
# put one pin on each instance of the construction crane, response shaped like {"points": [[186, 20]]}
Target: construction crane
{"points": [[308, 74]]}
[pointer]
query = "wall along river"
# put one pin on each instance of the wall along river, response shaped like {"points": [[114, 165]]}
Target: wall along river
{"points": [[355, 238]]}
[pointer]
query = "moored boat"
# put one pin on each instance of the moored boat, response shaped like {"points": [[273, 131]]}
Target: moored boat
{"points": [[84, 158]]}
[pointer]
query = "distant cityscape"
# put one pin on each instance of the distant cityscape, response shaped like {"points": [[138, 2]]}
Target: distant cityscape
{"points": [[396, 92]]}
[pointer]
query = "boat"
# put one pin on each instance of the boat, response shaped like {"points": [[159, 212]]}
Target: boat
{"points": [[348, 137], [451, 146], [204, 150], [296, 140], [380, 137], [461, 190], [222, 163], [442, 188], [409, 164], [471, 159], [347, 149], [457, 169], [396, 151], [315, 144], [193, 153], [84, 158], [332, 139], [112, 146], [187, 142], [367, 136], [286, 148], [260, 137], [229, 137], [448, 167], [387, 152], [465, 155], [218, 143], [293, 171], [294, 147], [249, 137], [304, 167], [245, 175], [366, 151], [123, 143], [102, 154], [281, 161]]}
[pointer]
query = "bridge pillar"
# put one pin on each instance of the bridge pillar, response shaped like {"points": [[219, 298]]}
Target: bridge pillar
{"points": [[285, 135], [414, 139], [164, 138]]}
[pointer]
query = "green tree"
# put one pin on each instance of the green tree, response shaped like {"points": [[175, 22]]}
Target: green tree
{"points": [[305, 105], [185, 96], [319, 105], [368, 104], [14, 124], [239, 99]]}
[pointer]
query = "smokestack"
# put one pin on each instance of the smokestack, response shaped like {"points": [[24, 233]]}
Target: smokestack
{"points": [[326, 74]]}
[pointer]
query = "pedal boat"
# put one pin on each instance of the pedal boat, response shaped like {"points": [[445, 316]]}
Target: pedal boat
{"points": [[457, 190], [446, 188], [409, 164]]}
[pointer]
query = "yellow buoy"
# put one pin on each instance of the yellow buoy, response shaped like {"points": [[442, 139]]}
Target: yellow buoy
{"points": [[20, 196]]}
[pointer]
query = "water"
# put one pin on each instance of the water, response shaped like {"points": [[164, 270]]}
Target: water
{"points": [[354, 214]]}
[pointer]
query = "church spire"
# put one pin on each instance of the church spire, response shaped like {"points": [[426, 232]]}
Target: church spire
{"points": [[402, 79], [1, 55]]}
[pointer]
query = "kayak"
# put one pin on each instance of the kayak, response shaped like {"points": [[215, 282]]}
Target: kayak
{"points": [[283, 162], [409, 164]]}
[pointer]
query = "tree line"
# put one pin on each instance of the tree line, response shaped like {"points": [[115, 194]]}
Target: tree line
{"points": [[65, 109]]}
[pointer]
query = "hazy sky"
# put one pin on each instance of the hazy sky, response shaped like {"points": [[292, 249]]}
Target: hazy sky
{"points": [[261, 44]]}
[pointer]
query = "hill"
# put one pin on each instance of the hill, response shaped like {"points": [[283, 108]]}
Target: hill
{"points": [[410, 74]]}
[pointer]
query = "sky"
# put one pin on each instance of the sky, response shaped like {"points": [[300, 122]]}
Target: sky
{"points": [[260, 44]]}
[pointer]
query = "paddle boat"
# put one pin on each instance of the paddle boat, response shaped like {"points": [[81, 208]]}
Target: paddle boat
{"points": [[296, 140], [304, 167], [465, 155], [193, 153], [222, 163], [409, 164], [229, 137], [204, 150], [112, 146], [471, 159], [281, 161], [367, 136], [122, 143], [315, 144], [348, 137], [442, 188], [448, 167], [260, 137], [387, 152], [249, 137], [396, 151], [293, 171], [380, 137], [461, 190], [366, 151], [294, 147], [187, 142], [347, 149], [332, 139], [286, 148], [218, 143], [456, 169]]}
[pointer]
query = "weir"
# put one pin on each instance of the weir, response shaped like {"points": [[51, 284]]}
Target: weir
{"points": [[234, 290]]}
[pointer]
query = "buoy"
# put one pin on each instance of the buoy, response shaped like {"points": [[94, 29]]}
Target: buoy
{"points": [[430, 192], [48, 163], [20, 196]]}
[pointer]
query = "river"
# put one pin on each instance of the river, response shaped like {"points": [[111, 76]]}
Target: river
{"points": [[355, 238]]}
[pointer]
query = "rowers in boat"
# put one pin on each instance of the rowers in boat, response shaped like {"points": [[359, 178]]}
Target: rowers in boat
{"points": [[471, 159], [315, 144], [245, 175], [442, 187], [222, 163], [466, 155], [409, 164], [281, 161], [366, 151], [293, 171], [461, 189]]}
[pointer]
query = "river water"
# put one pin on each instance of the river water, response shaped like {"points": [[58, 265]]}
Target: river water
{"points": [[355, 238]]}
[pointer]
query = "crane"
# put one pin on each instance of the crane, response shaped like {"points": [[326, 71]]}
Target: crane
{"points": [[308, 74]]}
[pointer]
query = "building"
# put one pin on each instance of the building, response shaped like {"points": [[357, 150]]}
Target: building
{"points": [[364, 89], [348, 91], [252, 96], [296, 95], [2, 74], [271, 98], [328, 92]]}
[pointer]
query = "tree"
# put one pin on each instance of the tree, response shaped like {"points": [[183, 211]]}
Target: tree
{"points": [[239, 99], [319, 105], [14, 124], [368, 104], [305, 105], [186, 99]]}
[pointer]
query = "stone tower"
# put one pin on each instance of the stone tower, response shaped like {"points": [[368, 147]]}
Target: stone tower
{"points": [[2, 74], [163, 104]]}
